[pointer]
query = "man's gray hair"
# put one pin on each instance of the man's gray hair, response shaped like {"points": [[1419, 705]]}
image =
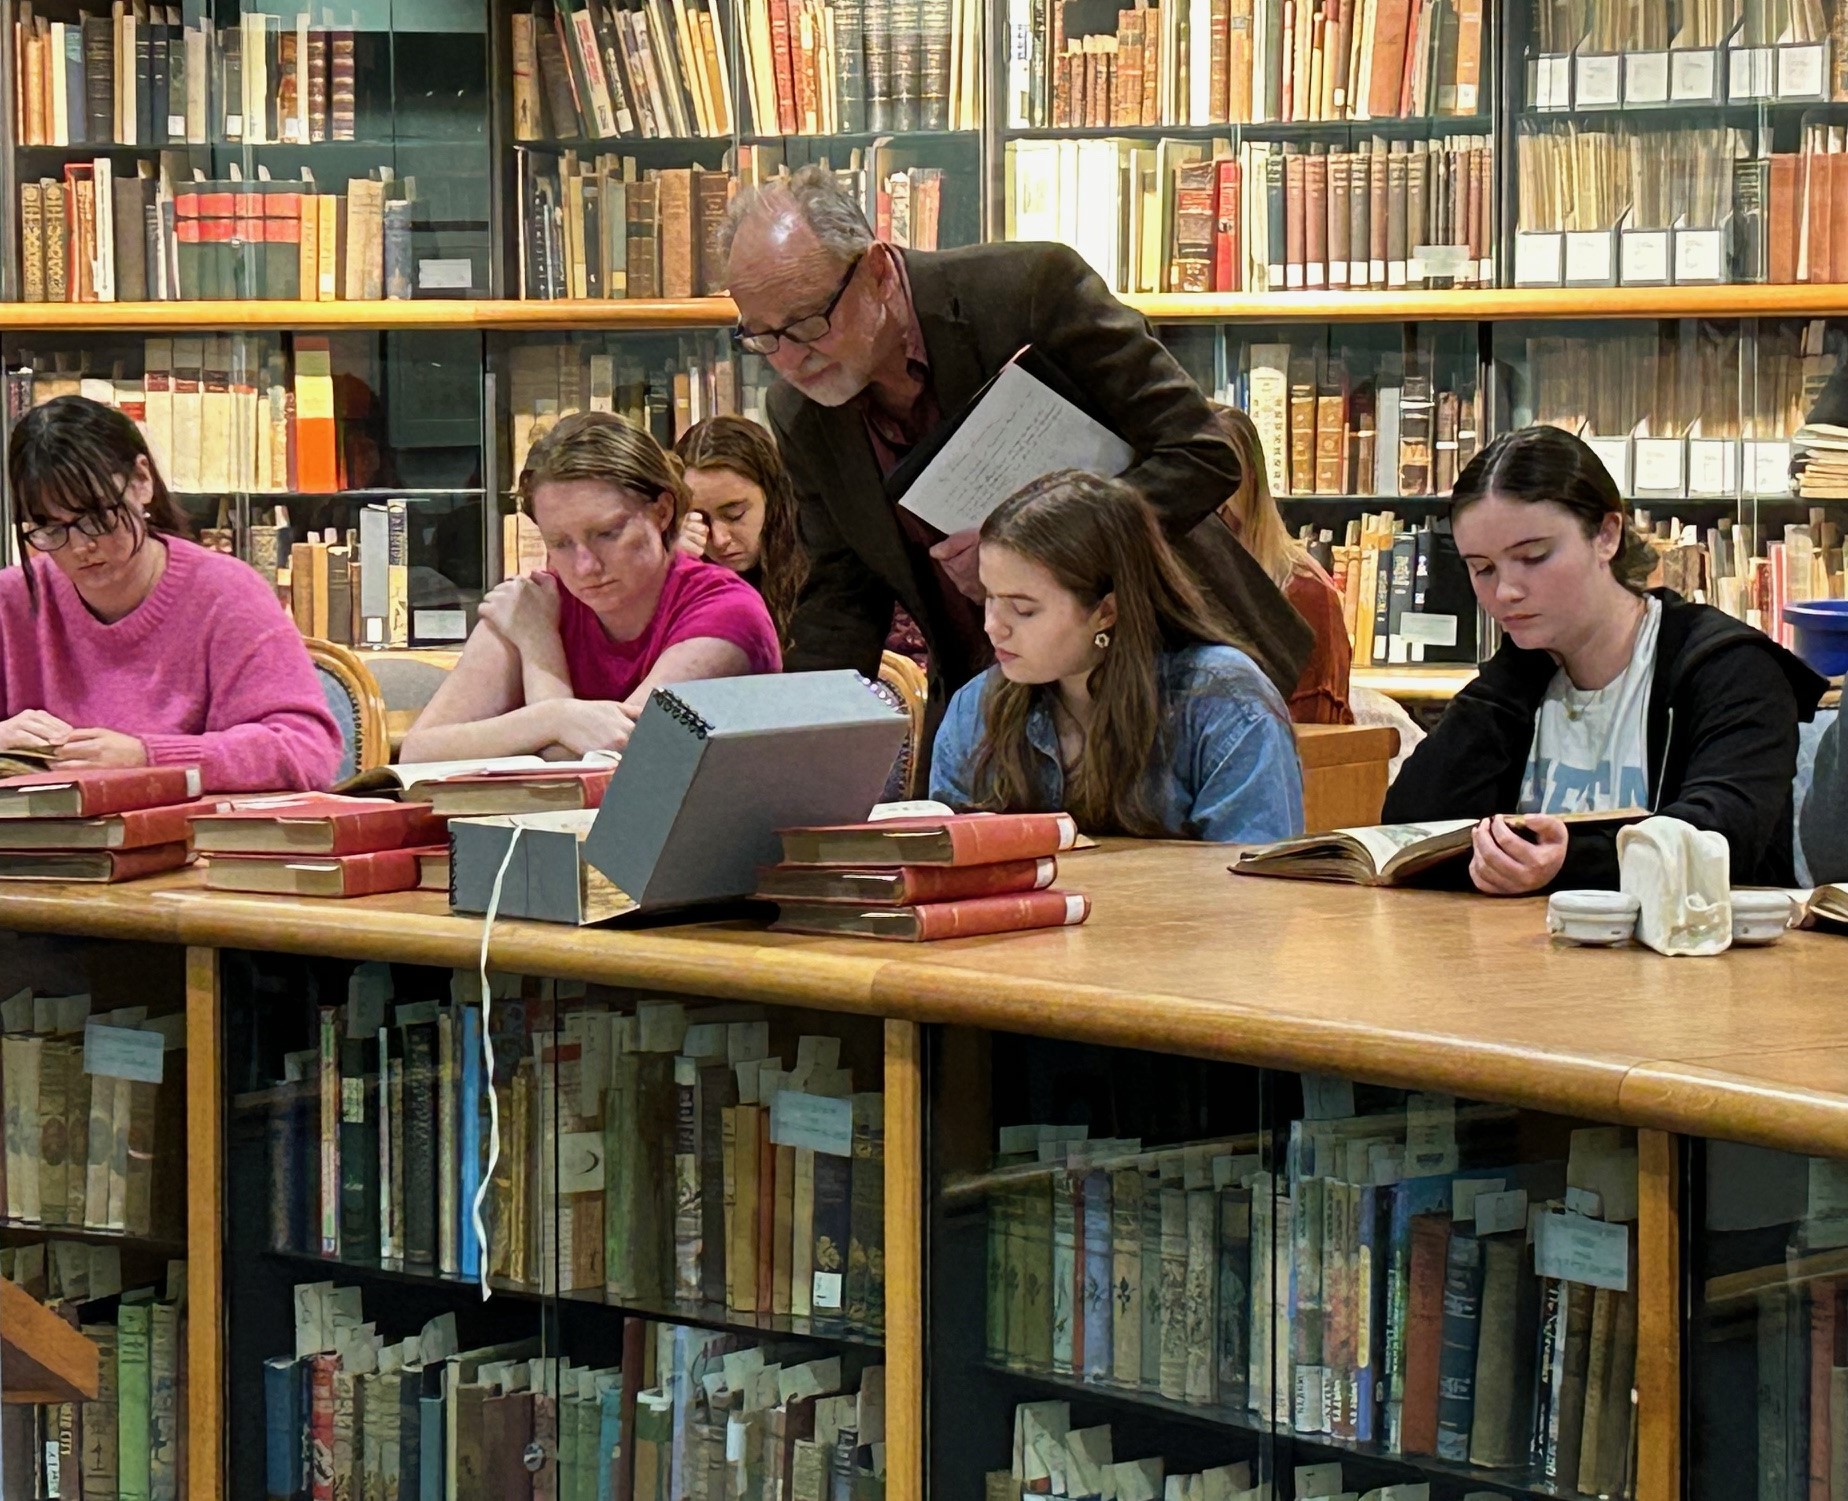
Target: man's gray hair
{"points": [[813, 196]]}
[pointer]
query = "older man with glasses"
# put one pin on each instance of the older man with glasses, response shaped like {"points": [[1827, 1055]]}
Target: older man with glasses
{"points": [[878, 346]]}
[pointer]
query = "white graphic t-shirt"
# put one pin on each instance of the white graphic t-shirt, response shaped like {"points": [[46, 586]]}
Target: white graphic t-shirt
{"points": [[1591, 747]]}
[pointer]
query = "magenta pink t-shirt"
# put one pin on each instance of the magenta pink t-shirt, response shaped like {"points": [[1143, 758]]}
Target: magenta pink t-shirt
{"points": [[698, 599]]}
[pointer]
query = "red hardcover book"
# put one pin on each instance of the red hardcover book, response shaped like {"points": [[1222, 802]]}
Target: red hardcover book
{"points": [[102, 866], [1784, 232], [336, 876], [955, 839], [1822, 1328], [96, 794], [137, 829], [1227, 252], [492, 793], [903, 885], [318, 823], [973, 918], [783, 46], [321, 1370], [1424, 1332]]}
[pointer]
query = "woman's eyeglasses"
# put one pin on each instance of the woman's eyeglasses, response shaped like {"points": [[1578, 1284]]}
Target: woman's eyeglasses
{"points": [[54, 535]]}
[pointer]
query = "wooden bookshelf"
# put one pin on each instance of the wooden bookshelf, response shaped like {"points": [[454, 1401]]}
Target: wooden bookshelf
{"points": [[42, 1359], [638, 315]]}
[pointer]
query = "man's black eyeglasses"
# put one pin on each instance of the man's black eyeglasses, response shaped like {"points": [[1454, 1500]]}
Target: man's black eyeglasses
{"points": [[803, 330]]}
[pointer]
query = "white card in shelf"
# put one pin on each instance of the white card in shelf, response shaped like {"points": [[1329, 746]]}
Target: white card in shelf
{"points": [[1659, 466], [1801, 70], [1700, 255], [1422, 629], [806, 1120], [1644, 257], [1614, 454], [124, 1053], [1575, 1249], [1598, 82], [1465, 1191], [1748, 73], [1693, 76], [1588, 257], [1713, 466], [1767, 467], [1430, 1135], [1497, 1213], [1538, 259], [1645, 78], [453, 275], [1559, 84]]}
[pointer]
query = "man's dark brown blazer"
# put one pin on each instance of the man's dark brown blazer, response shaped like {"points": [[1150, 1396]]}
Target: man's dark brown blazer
{"points": [[977, 308]]}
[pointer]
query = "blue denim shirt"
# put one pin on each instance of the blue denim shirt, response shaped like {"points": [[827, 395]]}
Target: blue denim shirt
{"points": [[1230, 774]]}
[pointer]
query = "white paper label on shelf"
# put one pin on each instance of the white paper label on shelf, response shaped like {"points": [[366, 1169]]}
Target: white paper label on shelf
{"points": [[1584, 1201], [1575, 1249], [445, 275], [1713, 466], [1768, 465], [1500, 1212], [580, 1162], [1800, 71], [1422, 629], [1318, 1480], [1700, 255], [1588, 257], [811, 1121], [124, 1053], [1558, 71], [440, 625], [176, 127], [1644, 257], [1465, 1191], [234, 127], [1430, 1135], [1692, 76], [826, 1292], [1600, 80], [1748, 73], [1658, 465], [1444, 260], [1614, 454], [1645, 78], [1537, 259]]}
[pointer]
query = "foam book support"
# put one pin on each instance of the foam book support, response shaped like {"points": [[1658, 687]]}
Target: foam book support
{"points": [[711, 773]]}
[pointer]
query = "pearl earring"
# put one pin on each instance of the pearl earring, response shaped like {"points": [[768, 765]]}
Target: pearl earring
{"points": [[1101, 640]]}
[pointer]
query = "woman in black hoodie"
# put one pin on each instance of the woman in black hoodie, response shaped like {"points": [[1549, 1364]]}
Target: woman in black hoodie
{"points": [[1603, 695]]}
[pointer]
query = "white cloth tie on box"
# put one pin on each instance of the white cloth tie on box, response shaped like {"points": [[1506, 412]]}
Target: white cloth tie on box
{"points": [[1683, 878]]}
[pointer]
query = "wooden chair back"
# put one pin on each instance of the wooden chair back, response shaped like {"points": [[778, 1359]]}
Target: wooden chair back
{"points": [[353, 696], [905, 678]]}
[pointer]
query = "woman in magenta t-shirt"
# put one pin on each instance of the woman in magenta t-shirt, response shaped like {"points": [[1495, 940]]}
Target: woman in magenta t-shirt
{"points": [[562, 661]]}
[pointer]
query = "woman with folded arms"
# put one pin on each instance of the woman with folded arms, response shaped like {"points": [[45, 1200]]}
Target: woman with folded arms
{"points": [[1117, 694], [563, 659], [124, 644], [1604, 695]]}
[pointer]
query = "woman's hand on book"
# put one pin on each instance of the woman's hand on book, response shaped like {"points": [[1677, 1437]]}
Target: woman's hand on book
{"points": [[1516, 861], [583, 725], [90, 750], [524, 610], [33, 730]]}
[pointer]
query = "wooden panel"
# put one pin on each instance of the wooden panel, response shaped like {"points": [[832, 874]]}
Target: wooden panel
{"points": [[1658, 1318], [1415, 685], [904, 1262], [205, 1230], [42, 1359], [1344, 773]]}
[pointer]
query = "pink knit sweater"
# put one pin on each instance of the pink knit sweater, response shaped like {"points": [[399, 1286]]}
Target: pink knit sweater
{"points": [[207, 671]]}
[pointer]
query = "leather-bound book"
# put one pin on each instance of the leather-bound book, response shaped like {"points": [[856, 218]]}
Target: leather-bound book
{"points": [[1424, 1333]]}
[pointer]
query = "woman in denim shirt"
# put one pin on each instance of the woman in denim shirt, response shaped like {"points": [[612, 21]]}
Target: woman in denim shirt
{"points": [[1117, 694]]}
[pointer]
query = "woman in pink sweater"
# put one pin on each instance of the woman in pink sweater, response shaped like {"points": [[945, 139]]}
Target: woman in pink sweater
{"points": [[124, 644]]}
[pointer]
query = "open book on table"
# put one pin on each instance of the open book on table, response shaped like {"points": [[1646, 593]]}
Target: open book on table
{"points": [[406, 779], [1385, 854]]}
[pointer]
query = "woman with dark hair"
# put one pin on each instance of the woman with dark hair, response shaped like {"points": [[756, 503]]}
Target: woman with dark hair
{"points": [[742, 510], [124, 644], [563, 659], [1118, 694], [1604, 695]]}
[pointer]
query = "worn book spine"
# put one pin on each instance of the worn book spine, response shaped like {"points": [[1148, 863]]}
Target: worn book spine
{"points": [[133, 1452], [165, 1435], [1173, 1357], [1067, 1223], [1126, 1277], [1200, 1290], [1430, 1243], [100, 1419], [1457, 1362], [1234, 1292], [866, 1245]]}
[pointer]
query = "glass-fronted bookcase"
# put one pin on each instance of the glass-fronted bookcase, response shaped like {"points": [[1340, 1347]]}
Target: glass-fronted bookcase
{"points": [[1392, 244]]}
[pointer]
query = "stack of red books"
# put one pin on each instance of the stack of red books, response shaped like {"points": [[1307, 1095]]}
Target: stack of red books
{"points": [[916, 879], [319, 844], [106, 825]]}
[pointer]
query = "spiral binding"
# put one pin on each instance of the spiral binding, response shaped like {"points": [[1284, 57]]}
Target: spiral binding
{"points": [[679, 710]]}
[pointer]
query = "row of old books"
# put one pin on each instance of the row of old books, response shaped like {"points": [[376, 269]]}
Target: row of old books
{"points": [[162, 236], [1185, 217], [91, 1102], [1752, 571], [697, 1185], [1052, 1458], [843, 67], [1606, 26], [230, 413], [584, 70], [351, 588], [1216, 62], [665, 395], [130, 1442], [1404, 590], [1382, 1289], [145, 75], [1783, 214], [1329, 426]]}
